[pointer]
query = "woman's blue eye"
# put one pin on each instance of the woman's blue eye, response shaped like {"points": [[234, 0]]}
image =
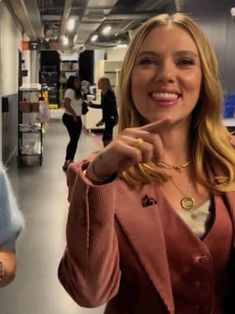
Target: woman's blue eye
{"points": [[186, 62], [145, 61]]}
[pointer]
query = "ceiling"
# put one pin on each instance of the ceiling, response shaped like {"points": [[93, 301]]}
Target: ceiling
{"points": [[46, 20]]}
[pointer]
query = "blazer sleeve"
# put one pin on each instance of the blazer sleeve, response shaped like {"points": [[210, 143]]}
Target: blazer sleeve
{"points": [[11, 219], [89, 269]]}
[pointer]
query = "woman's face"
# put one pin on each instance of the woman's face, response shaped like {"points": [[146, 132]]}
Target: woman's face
{"points": [[77, 83], [166, 78]]}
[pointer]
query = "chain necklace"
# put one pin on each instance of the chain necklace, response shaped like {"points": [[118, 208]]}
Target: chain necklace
{"points": [[186, 202], [178, 168]]}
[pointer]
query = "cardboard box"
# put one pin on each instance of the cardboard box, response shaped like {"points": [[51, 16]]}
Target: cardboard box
{"points": [[34, 106], [25, 106]]}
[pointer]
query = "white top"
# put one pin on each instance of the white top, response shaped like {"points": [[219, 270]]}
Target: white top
{"points": [[76, 103], [196, 218]]}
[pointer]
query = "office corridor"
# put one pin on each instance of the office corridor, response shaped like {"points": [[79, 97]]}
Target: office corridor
{"points": [[42, 196]]}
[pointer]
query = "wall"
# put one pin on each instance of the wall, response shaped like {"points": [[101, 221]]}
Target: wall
{"points": [[116, 54], [215, 19], [10, 43]]}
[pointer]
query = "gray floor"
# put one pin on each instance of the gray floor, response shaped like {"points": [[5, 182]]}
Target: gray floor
{"points": [[41, 193]]}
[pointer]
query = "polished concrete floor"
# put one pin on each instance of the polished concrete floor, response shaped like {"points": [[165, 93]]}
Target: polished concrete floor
{"points": [[41, 192]]}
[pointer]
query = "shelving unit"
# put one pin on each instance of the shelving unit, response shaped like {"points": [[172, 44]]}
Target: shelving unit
{"points": [[67, 68], [49, 76], [30, 132]]}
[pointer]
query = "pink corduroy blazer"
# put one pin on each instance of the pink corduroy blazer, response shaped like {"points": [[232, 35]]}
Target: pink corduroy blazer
{"points": [[115, 250]]}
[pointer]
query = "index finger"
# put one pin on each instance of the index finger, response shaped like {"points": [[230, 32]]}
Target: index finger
{"points": [[155, 126]]}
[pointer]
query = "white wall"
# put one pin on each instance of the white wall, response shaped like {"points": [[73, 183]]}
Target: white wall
{"points": [[10, 43], [116, 54]]}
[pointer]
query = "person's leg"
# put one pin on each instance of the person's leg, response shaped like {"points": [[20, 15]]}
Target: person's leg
{"points": [[108, 132], [74, 131]]}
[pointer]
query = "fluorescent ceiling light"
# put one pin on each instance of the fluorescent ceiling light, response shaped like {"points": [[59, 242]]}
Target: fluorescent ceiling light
{"points": [[94, 37], [71, 24], [106, 29]]}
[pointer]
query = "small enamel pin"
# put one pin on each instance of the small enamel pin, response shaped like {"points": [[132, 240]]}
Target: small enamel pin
{"points": [[148, 201]]}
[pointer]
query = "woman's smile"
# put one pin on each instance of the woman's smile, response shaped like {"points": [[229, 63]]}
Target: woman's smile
{"points": [[166, 78]]}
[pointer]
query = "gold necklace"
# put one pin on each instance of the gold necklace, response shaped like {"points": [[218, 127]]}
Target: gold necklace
{"points": [[178, 168], [186, 202]]}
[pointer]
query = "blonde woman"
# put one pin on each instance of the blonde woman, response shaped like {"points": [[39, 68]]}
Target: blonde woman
{"points": [[150, 226], [109, 109]]}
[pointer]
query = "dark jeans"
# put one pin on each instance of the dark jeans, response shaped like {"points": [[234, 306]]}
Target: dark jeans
{"points": [[108, 131], [74, 129]]}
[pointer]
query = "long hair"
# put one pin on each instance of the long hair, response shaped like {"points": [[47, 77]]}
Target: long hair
{"points": [[70, 84], [105, 83], [209, 138]]}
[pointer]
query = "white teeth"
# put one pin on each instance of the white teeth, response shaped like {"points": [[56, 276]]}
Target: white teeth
{"points": [[164, 96]]}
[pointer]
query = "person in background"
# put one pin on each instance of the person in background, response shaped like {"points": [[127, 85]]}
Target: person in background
{"points": [[11, 223], [85, 88], [151, 221], [72, 116], [109, 110]]}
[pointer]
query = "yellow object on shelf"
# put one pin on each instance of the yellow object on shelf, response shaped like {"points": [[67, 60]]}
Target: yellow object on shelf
{"points": [[45, 96], [53, 106]]}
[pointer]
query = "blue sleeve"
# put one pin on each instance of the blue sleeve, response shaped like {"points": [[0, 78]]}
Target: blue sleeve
{"points": [[11, 219]]}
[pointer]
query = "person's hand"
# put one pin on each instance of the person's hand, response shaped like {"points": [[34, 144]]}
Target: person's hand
{"points": [[132, 146], [7, 267], [100, 123], [87, 102]]}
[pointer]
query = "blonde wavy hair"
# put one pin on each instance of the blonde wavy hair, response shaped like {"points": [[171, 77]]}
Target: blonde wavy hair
{"points": [[210, 140]]}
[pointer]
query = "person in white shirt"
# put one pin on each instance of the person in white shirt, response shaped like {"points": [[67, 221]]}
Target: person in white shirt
{"points": [[11, 224], [72, 116]]}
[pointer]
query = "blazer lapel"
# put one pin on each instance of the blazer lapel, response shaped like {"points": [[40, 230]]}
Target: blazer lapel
{"points": [[230, 200], [142, 226]]}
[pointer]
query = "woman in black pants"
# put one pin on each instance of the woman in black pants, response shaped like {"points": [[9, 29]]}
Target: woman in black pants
{"points": [[72, 116], [109, 109]]}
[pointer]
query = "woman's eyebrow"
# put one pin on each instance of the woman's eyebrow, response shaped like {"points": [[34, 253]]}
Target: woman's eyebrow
{"points": [[177, 53], [148, 53], [189, 53]]}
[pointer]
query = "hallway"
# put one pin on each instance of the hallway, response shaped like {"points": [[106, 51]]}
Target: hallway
{"points": [[42, 196]]}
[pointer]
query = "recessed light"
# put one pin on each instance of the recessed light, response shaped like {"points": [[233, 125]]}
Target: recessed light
{"points": [[94, 37], [106, 29]]}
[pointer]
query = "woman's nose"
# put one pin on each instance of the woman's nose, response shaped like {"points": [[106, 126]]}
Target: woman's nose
{"points": [[165, 72]]}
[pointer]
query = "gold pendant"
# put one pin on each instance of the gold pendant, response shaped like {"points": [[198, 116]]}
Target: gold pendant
{"points": [[187, 203]]}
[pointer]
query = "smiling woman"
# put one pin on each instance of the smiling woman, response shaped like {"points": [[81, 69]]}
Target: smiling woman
{"points": [[150, 219], [166, 78]]}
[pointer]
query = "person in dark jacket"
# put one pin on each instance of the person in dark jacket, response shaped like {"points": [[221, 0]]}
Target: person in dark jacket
{"points": [[109, 109]]}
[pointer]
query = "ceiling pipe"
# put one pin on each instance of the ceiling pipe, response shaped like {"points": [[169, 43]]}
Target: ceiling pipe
{"points": [[131, 16], [67, 10], [179, 5], [35, 17], [27, 13], [19, 9]]}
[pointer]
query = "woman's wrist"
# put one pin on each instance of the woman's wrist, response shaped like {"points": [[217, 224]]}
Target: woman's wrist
{"points": [[93, 176]]}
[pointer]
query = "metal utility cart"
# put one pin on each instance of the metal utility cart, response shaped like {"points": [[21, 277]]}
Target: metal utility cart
{"points": [[30, 132]]}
